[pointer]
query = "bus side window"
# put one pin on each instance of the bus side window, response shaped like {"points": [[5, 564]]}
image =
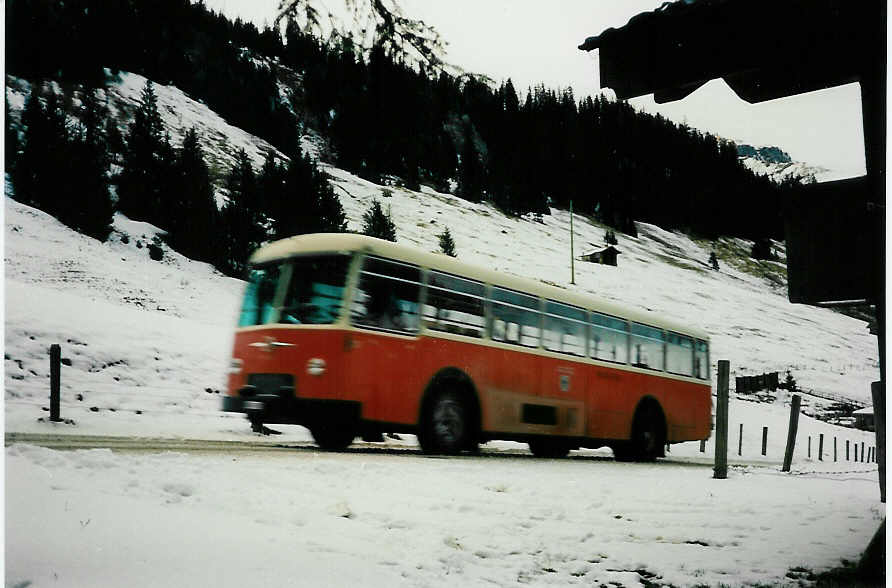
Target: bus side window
{"points": [[516, 318], [564, 329], [701, 360], [387, 296], [647, 347], [679, 354], [454, 305], [609, 338]]}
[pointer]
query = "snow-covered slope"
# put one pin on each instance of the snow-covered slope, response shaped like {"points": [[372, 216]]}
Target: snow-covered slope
{"points": [[167, 325]]}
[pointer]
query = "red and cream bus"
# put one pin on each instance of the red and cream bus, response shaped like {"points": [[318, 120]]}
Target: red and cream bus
{"points": [[350, 335]]}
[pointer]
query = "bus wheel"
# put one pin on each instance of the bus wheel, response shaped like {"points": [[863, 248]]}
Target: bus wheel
{"points": [[447, 425], [549, 448], [333, 437], [648, 436]]}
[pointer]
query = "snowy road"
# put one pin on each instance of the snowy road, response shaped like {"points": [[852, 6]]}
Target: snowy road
{"points": [[194, 513]]}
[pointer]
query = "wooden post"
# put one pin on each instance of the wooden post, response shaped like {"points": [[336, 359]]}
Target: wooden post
{"points": [[878, 390], [809, 447], [55, 381], [834, 449], [721, 421], [862, 452], [740, 441], [764, 440], [847, 450], [572, 261], [821, 447], [702, 445], [855, 452], [791, 432]]}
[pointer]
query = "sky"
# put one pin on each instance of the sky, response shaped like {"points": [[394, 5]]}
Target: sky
{"points": [[517, 39]]}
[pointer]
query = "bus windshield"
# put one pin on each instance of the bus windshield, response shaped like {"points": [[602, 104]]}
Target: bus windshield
{"points": [[304, 290]]}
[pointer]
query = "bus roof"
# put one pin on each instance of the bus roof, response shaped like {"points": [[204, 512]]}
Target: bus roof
{"points": [[351, 242]]}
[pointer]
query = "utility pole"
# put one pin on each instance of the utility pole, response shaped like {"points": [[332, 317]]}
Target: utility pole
{"points": [[572, 266]]}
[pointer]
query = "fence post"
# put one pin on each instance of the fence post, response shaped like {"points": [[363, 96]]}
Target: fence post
{"points": [[847, 450], [878, 391], [721, 421], [55, 381], [791, 432], [855, 452], [809, 447], [740, 441], [764, 440], [862, 452], [834, 449], [821, 447], [702, 445]]}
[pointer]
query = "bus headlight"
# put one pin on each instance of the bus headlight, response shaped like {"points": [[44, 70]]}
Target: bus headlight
{"points": [[316, 366], [235, 365]]}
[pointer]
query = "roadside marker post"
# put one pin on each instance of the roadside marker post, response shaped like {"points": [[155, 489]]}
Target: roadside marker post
{"points": [[791, 432], [720, 471], [55, 381]]}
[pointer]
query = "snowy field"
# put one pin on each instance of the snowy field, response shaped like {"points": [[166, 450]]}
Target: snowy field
{"points": [[146, 345]]}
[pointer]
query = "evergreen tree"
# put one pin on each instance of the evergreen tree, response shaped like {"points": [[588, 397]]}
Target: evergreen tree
{"points": [[242, 222], [470, 176], [92, 211], [378, 223], [11, 146], [193, 209], [309, 204], [447, 244], [146, 165]]}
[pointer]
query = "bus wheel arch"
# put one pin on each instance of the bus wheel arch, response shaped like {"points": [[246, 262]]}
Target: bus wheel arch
{"points": [[647, 437], [449, 418]]}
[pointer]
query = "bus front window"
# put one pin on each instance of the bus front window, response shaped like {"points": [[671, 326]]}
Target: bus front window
{"points": [[257, 306], [316, 292]]}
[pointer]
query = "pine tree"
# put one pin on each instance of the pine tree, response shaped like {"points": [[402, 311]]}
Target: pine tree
{"points": [[242, 222], [146, 164], [447, 244], [92, 211], [470, 169], [11, 146], [309, 204], [378, 223], [193, 214]]}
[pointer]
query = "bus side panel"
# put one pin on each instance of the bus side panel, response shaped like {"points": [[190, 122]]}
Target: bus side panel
{"points": [[688, 408], [382, 372], [612, 396]]}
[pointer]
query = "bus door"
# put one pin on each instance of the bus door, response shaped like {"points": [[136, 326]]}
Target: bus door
{"points": [[382, 353]]}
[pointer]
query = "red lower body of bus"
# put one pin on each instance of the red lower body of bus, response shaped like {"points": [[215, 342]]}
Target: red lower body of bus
{"points": [[377, 381]]}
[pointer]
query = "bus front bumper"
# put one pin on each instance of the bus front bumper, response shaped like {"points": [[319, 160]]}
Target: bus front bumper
{"points": [[278, 409]]}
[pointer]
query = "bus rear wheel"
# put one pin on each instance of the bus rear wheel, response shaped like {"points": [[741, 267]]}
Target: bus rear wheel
{"points": [[551, 448], [648, 436], [333, 437], [447, 425]]}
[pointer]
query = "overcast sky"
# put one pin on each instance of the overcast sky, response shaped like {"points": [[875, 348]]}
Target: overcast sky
{"points": [[532, 41]]}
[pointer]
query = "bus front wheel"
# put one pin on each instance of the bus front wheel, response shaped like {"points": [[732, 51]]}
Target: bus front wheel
{"points": [[446, 427], [333, 437]]}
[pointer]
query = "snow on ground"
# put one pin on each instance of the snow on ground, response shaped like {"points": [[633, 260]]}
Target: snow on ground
{"points": [[97, 518], [147, 344]]}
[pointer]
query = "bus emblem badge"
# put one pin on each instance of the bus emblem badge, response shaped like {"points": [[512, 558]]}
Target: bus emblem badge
{"points": [[565, 382]]}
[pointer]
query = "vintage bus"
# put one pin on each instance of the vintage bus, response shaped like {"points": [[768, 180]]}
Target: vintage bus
{"points": [[350, 335]]}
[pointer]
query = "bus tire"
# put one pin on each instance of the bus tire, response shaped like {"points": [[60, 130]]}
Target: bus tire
{"points": [[549, 448], [446, 427], [333, 437], [648, 435]]}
